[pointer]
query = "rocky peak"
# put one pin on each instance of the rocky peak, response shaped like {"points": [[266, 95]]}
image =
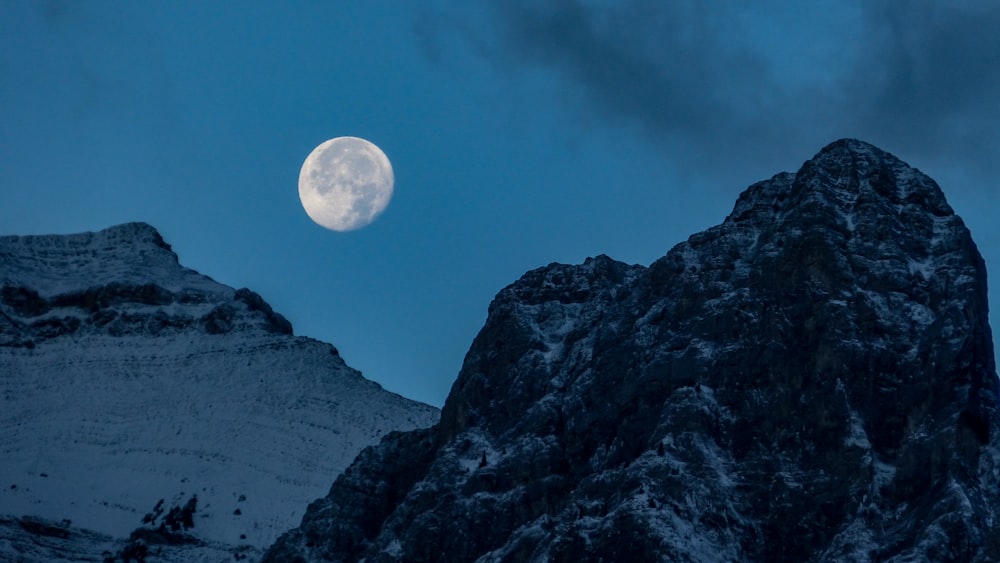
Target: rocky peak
{"points": [[812, 379]]}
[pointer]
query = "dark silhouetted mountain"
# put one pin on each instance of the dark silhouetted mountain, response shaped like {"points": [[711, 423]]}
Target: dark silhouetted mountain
{"points": [[126, 378], [811, 380]]}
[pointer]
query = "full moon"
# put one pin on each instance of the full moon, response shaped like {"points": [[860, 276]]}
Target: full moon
{"points": [[345, 183]]}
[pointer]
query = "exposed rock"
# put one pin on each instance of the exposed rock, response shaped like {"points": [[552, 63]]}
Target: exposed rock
{"points": [[811, 380]]}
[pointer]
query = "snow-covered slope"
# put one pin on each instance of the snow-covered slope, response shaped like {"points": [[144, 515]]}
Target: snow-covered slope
{"points": [[126, 379], [811, 380]]}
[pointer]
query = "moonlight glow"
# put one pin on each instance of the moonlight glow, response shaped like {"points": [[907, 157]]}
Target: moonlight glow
{"points": [[345, 183]]}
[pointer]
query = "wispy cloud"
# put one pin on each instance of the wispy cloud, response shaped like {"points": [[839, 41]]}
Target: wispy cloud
{"points": [[717, 78], [933, 76]]}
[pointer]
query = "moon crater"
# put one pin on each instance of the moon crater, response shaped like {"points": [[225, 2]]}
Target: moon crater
{"points": [[345, 183]]}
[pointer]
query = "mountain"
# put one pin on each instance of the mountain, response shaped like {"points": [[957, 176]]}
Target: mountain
{"points": [[126, 378], [811, 380]]}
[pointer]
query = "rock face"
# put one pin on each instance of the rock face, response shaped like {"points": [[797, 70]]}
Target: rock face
{"points": [[811, 380], [126, 378]]}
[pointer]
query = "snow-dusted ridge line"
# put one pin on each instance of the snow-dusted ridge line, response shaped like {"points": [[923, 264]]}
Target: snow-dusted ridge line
{"points": [[128, 254]]}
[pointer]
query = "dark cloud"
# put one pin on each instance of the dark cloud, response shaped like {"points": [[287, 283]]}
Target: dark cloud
{"points": [[633, 61], [933, 77], [668, 69], [921, 78]]}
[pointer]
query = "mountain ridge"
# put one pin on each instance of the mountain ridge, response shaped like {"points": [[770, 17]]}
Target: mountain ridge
{"points": [[126, 378], [127, 253]]}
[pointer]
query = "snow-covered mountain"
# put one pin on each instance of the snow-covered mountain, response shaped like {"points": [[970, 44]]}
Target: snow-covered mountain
{"points": [[126, 378], [811, 380]]}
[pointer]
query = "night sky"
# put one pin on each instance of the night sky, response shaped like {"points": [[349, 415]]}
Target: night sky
{"points": [[520, 133]]}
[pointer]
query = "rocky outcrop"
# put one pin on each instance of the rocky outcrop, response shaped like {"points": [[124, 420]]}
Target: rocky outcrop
{"points": [[811, 380]]}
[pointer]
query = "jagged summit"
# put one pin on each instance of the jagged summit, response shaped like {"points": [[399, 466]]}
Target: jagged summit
{"points": [[849, 173], [849, 178], [852, 171], [811, 380]]}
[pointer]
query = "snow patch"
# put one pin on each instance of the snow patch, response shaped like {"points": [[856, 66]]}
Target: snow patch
{"points": [[925, 268], [857, 437]]}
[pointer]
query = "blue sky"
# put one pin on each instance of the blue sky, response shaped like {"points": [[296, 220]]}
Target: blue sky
{"points": [[520, 133]]}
